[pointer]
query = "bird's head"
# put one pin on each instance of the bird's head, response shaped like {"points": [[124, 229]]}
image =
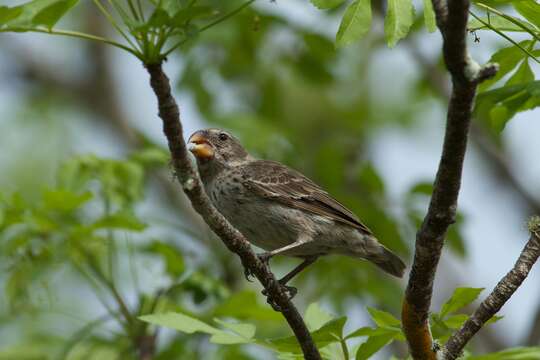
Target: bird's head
{"points": [[216, 148]]}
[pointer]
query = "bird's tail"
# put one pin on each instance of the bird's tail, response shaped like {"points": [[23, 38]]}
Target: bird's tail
{"points": [[386, 260]]}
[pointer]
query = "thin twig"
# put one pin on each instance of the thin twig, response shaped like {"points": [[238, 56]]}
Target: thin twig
{"points": [[233, 239], [466, 74], [498, 297]]}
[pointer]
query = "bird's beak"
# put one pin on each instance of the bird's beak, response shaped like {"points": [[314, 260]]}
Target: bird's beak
{"points": [[200, 147]]}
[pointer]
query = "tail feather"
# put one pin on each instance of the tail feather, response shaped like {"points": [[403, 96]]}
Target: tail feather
{"points": [[367, 247], [387, 261]]}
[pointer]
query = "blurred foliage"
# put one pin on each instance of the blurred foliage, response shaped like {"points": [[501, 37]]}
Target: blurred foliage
{"points": [[291, 93], [328, 331]]}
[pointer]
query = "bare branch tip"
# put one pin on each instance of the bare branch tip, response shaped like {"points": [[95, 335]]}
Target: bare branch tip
{"points": [[534, 225], [487, 71]]}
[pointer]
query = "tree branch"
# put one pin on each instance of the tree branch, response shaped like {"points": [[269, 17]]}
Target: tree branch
{"points": [[497, 157], [499, 296], [466, 74], [233, 239]]}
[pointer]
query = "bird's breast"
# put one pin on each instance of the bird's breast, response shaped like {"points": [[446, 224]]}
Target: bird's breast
{"points": [[266, 224]]}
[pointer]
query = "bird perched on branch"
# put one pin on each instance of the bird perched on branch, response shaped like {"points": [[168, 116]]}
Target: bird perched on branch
{"points": [[280, 210]]}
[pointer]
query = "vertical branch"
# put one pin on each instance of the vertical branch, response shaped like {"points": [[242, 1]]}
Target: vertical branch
{"points": [[499, 296], [233, 239], [466, 74]]}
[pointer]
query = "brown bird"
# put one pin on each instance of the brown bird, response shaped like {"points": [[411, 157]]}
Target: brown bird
{"points": [[280, 210]]}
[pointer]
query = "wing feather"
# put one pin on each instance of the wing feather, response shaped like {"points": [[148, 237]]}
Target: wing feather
{"points": [[275, 181]]}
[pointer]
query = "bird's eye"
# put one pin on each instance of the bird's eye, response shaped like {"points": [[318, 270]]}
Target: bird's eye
{"points": [[223, 136]]}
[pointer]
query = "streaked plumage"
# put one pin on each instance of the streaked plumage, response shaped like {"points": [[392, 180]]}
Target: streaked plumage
{"points": [[279, 209]]}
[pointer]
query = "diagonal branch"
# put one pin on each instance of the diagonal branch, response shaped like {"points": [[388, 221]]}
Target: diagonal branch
{"points": [[233, 239], [499, 296], [466, 74]]}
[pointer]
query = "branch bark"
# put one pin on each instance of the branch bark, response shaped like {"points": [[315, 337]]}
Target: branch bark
{"points": [[466, 74], [498, 297], [233, 239]]}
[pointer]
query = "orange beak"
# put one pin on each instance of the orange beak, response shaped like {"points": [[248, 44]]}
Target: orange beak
{"points": [[200, 147]]}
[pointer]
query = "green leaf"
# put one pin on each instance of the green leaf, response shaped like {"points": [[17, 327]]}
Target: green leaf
{"points": [[520, 353], [121, 221], [174, 261], [372, 345], [244, 305], [368, 331], [494, 319], [429, 16], [454, 236], [461, 297], [315, 317], [151, 156], [500, 105], [326, 4], [369, 178], [423, 188], [159, 18], [191, 13], [329, 333], [363, 331], [7, 14], [355, 23], [398, 21], [507, 58], [227, 338], [455, 321], [28, 10], [201, 286], [180, 322], [500, 23], [51, 14], [383, 318], [245, 330], [529, 9], [241, 333], [523, 74], [64, 200]]}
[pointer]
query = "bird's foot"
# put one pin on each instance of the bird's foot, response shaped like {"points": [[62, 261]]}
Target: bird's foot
{"points": [[265, 257], [248, 274], [273, 304], [289, 291]]}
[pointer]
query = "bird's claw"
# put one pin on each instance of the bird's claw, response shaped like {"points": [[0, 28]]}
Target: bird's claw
{"points": [[290, 291], [248, 274], [264, 258]]}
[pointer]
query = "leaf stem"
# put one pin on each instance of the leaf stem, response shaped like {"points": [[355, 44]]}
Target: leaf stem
{"points": [[114, 23], [506, 37], [509, 18], [141, 11], [133, 10], [344, 348], [75, 34]]}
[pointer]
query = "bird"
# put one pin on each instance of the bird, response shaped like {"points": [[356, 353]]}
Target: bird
{"points": [[280, 210]]}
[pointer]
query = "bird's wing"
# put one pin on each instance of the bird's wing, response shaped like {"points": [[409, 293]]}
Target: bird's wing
{"points": [[275, 181]]}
